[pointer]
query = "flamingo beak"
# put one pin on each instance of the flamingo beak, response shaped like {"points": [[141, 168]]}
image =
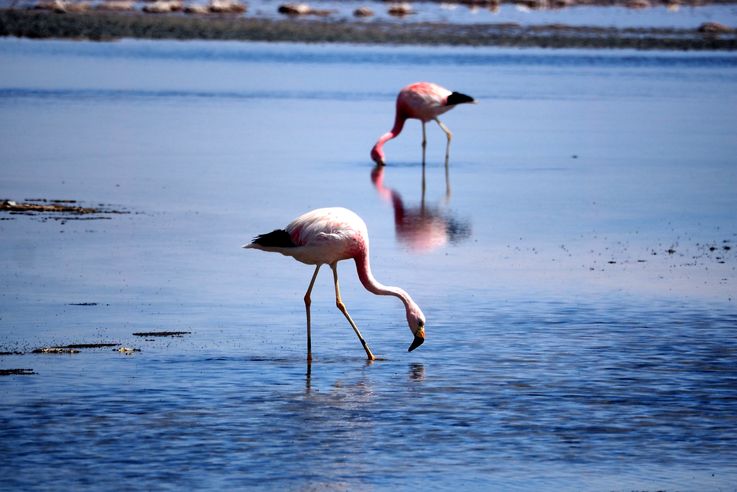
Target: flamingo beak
{"points": [[419, 340]]}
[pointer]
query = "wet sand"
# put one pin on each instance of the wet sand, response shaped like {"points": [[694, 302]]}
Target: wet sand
{"points": [[105, 26]]}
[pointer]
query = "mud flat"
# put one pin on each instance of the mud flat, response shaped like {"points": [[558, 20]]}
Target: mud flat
{"points": [[174, 334], [105, 26], [59, 210], [17, 372], [43, 205]]}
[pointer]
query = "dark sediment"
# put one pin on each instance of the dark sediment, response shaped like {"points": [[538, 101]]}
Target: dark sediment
{"points": [[55, 350], [109, 26], [90, 345], [45, 206], [16, 372], [71, 348], [60, 210], [161, 333]]}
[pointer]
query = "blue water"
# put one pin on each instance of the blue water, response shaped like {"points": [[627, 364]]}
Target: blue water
{"points": [[567, 348]]}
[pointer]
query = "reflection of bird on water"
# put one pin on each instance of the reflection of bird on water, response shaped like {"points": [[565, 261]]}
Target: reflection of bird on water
{"points": [[423, 101], [417, 372], [326, 236], [422, 228]]}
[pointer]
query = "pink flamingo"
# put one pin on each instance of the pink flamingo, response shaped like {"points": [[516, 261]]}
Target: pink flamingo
{"points": [[326, 236], [424, 101]]}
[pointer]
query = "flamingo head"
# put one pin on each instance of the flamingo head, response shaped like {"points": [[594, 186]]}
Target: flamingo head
{"points": [[377, 155], [416, 321]]}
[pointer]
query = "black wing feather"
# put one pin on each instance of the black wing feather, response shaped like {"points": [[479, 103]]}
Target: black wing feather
{"points": [[458, 98], [278, 238]]}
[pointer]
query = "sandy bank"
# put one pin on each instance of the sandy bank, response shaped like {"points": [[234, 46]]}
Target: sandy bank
{"points": [[109, 26]]}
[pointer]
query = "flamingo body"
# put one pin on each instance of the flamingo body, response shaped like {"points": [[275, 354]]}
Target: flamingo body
{"points": [[424, 101], [327, 236]]}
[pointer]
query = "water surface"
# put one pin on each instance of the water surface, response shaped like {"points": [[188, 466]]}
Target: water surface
{"points": [[576, 264]]}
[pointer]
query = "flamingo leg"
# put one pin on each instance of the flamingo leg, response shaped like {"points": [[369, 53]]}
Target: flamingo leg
{"points": [[424, 184], [448, 134], [447, 179], [308, 301], [424, 144], [341, 306]]}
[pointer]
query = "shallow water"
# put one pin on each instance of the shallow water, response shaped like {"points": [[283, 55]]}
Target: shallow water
{"points": [[567, 348]]}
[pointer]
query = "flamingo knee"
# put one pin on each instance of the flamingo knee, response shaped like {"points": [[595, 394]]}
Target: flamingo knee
{"points": [[341, 306]]}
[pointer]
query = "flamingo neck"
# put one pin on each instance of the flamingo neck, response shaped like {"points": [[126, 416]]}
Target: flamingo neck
{"points": [[374, 286], [377, 153], [388, 194]]}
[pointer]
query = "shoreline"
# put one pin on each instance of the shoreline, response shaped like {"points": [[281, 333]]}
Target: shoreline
{"points": [[110, 26]]}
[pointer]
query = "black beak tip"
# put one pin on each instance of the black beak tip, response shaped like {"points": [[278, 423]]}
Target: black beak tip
{"points": [[416, 343]]}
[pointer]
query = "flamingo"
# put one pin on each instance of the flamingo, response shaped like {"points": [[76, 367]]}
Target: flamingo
{"points": [[423, 101], [327, 236]]}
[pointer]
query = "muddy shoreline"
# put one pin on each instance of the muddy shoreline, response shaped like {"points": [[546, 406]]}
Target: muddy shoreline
{"points": [[107, 26]]}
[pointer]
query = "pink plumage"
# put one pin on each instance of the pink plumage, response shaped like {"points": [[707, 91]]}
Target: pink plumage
{"points": [[327, 236], [423, 101]]}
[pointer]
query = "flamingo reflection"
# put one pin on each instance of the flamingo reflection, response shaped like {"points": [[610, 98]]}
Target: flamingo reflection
{"points": [[423, 227], [416, 372]]}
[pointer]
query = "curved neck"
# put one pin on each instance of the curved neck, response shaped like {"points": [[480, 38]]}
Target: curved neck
{"points": [[374, 286], [377, 152], [388, 194], [399, 119]]}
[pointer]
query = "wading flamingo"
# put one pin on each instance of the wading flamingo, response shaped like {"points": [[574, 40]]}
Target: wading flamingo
{"points": [[423, 101], [326, 236]]}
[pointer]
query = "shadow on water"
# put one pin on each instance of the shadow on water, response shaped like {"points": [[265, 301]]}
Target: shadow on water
{"points": [[422, 227]]}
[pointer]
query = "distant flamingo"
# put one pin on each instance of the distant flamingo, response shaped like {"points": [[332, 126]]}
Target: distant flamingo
{"points": [[326, 236], [423, 101]]}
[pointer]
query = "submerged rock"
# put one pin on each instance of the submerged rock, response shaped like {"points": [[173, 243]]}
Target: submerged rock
{"points": [[714, 28], [560, 4], [72, 348], [226, 7], [637, 4], [196, 9], [16, 372], [58, 6], [532, 4], [59, 209], [363, 12], [55, 350], [127, 350], [295, 9], [164, 7], [400, 9], [115, 6], [54, 206]]}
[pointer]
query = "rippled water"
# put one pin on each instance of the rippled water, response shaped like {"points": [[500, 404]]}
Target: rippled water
{"points": [[575, 261]]}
